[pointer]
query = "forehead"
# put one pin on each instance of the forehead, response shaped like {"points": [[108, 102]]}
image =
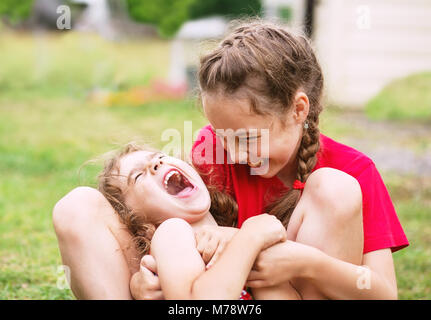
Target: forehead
{"points": [[227, 112], [131, 160]]}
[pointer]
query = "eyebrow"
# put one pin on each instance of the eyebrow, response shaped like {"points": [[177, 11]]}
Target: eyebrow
{"points": [[139, 167]]}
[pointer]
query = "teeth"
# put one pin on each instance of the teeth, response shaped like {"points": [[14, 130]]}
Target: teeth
{"points": [[255, 164], [170, 174]]}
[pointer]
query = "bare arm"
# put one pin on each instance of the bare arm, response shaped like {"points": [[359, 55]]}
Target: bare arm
{"points": [[334, 278], [342, 280], [182, 271]]}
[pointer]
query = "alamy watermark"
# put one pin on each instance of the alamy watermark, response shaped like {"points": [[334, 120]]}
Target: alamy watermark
{"points": [[63, 277], [363, 18], [364, 279], [243, 146], [64, 21]]}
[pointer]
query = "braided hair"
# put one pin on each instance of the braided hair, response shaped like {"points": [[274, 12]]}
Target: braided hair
{"points": [[272, 64]]}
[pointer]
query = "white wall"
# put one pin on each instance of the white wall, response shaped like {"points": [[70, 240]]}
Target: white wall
{"points": [[363, 45]]}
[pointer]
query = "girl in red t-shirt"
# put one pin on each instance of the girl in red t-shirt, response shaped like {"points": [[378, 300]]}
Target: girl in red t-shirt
{"points": [[264, 81]]}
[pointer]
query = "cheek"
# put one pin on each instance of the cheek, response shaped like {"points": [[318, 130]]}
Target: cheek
{"points": [[280, 152], [146, 200]]}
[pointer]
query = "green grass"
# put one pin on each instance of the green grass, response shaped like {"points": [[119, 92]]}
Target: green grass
{"points": [[42, 147], [48, 130], [412, 201], [404, 99]]}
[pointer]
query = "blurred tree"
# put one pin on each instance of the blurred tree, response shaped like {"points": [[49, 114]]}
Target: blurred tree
{"points": [[15, 11], [202, 8], [169, 15]]}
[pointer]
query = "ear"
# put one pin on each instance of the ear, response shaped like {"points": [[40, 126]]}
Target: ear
{"points": [[301, 107]]}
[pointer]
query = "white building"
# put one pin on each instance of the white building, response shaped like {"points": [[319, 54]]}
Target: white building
{"points": [[188, 44], [363, 45]]}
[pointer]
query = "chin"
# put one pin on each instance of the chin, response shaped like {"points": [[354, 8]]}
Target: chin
{"points": [[267, 174], [195, 211]]}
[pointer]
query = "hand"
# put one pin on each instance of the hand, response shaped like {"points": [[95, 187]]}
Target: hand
{"points": [[144, 284], [280, 263], [268, 227], [211, 241]]}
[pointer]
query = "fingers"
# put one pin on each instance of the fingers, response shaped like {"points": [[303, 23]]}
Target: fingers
{"points": [[257, 284], [217, 254], [202, 241], [143, 288], [157, 295], [254, 275], [210, 249], [149, 262], [145, 284], [149, 279], [207, 244], [256, 280]]}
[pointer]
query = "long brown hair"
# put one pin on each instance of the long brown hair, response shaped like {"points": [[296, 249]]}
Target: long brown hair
{"points": [[271, 63], [223, 207]]}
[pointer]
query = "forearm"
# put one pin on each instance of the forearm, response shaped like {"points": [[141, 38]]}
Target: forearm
{"points": [[228, 275], [338, 279]]}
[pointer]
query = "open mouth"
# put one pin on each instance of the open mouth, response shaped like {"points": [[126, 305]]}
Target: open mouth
{"points": [[177, 184]]}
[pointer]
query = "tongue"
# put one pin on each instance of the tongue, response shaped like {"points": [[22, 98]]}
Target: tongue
{"points": [[178, 185], [175, 189], [184, 191]]}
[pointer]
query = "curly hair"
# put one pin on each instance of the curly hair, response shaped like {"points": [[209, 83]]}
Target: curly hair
{"points": [[223, 207]]}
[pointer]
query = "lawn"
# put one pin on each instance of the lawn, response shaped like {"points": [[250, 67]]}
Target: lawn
{"points": [[49, 129], [408, 98]]}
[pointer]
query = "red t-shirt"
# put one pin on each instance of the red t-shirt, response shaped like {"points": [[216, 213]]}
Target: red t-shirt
{"points": [[382, 228]]}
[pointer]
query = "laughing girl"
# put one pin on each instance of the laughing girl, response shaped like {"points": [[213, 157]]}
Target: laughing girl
{"points": [[329, 196], [160, 202]]}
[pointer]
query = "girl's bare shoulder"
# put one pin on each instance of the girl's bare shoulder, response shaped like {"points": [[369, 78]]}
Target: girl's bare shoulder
{"points": [[171, 231]]}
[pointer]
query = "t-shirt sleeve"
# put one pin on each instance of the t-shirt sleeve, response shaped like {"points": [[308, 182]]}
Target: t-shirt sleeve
{"points": [[210, 160], [382, 228]]}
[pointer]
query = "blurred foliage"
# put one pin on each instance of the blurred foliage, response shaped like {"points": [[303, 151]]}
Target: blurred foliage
{"points": [[408, 98], [230, 8], [15, 11], [169, 15], [285, 13]]}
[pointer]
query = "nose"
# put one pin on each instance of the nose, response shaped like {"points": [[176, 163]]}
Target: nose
{"points": [[155, 165]]}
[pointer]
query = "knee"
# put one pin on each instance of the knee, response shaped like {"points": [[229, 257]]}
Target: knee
{"points": [[76, 209], [336, 191]]}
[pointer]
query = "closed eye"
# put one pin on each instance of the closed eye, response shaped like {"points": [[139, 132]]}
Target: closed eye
{"points": [[137, 176]]}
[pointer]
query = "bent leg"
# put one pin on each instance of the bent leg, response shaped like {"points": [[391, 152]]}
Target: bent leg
{"points": [[95, 245], [329, 217]]}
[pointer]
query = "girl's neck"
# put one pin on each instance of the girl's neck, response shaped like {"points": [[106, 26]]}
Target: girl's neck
{"points": [[287, 175], [208, 219]]}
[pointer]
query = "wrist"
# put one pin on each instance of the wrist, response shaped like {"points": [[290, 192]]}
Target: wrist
{"points": [[313, 264], [252, 237]]}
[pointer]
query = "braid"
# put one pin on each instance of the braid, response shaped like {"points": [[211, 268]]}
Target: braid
{"points": [[271, 63], [283, 207], [308, 149]]}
